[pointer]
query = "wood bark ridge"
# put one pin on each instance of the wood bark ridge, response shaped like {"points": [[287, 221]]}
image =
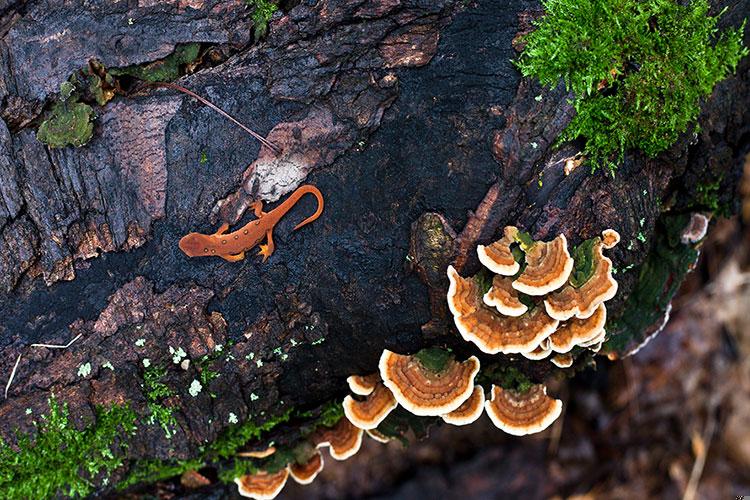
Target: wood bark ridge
{"points": [[394, 109]]}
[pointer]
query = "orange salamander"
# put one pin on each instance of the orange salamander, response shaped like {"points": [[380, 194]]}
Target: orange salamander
{"points": [[232, 246]]}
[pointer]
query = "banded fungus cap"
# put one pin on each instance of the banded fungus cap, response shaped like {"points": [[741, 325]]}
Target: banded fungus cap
{"points": [[257, 453], [562, 360], [504, 297], [493, 333], [548, 265], [343, 439], [469, 411], [429, 383], [192, 479], [610, 238], [378, 436], [579, 331], [372, 410], [542, 351], [262, 485], [305, 473], [363, 385], [521, 413], [498, 257], [599, 339], [599, 287], [595, 348], [696, 229], [463, 294]]}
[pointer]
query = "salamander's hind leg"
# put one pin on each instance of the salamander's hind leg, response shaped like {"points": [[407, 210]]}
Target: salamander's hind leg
{"points": [[233, 258], [267, 250], [257, 207]]}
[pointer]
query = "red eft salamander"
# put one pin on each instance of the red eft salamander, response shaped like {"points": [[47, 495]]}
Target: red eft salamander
{"points": [[232, 246]]}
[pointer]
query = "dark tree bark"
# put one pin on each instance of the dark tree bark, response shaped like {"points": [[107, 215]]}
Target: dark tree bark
{"points": [[408, 116]]}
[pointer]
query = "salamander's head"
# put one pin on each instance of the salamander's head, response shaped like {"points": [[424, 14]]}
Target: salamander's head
{"points": [[196, 245]]}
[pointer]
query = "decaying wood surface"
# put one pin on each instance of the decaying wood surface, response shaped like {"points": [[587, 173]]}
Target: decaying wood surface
{"points": [[395, 109]]}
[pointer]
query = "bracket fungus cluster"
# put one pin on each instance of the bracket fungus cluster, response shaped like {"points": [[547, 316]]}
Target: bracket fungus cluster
{"points": [[429, 383], [540, 299], [343, 440], [534, 299]]}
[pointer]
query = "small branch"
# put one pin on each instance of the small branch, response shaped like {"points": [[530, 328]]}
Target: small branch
{"points": [[12, 375], [701, 445], [223, 113], [57, 346]]}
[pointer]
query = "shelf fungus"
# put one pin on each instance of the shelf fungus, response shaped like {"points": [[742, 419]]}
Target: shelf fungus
{"points": [[429, 383], [521, 413], [548, 265], [257, 453], [542, 351], [378, 436], [305, 473], [469, 411], [262, 485], [363, 385], [577, 332], [562, 360], [595, 344], [503, 297], [372, 409], [498, 257], [492, 332], [591, 282], [343, 439]]}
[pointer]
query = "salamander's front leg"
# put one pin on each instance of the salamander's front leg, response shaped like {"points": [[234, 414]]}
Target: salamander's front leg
{"points": [[233, 258], [267, 250], [257, 207]]}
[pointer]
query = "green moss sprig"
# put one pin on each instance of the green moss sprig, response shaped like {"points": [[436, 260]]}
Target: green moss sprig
{"points": [[61, 460], [638, 69]]}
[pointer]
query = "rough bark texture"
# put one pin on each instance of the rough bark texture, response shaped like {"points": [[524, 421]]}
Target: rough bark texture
{"points": [[397, 110]]}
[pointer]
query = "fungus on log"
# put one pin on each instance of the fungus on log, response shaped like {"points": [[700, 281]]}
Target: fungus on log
{"points": [[542, 351], [430, 383], [378, 436], [343, 439], [491, 332], [363, 385], [599, 286], [562, 360], [548, 265], [307, 471], [498, 256], [579, 332], [504, 297], [369, 412], [262, 485], [256, 453], [469, 411], [521, 413]]}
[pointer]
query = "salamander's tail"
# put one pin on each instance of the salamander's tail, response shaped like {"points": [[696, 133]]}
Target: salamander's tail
{"points": [[310, 189]]}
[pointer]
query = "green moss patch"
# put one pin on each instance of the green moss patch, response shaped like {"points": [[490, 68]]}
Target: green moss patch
{"points": [[60, 460], [69, 121], [584, 265], [163, 70], [638, 69], [156, 391], [262, 14], [660, 276], [434, 358]]}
